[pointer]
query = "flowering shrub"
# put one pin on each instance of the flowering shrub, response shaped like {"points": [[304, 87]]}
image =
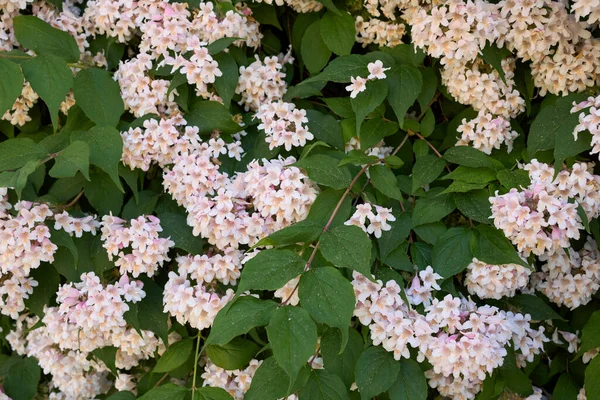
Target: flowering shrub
{"points": [[299, 199]]}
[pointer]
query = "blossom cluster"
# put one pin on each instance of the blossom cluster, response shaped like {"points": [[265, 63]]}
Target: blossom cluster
{"points": [[488, 281], [359, 84], [589, 121], [283, 125], [377, 222]]}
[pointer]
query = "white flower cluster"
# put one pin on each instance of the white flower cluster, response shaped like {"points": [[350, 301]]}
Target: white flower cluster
{"points": [[570, 279], [379, 32], [236, 382], [486, 132], [461, 341], [282, 123], [589, 121], [488, 281], [587, 9], [358, 85], [198, 303], [148, 250], [377, 222], [209, 27], [18, 114], [76, 226], [262, 82], [540, 219], [300, 6], [289, 292], [24, 244]]}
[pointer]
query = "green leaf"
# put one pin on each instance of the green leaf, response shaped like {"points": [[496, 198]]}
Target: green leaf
{"points": [[394, 161], [406, 54], [304, 90], [338, 32], [315, 53], [426, 169], [210, 116], [590, 335], [226, 83], [474, 175], [390, 240], [106, 148], [474, 205], [233, 355], [175, 356], [566, 388], [11, 84], [515, 378], [15, 153], [404, 83], [329, 298], [326, 128], [367, 101], [411, 383], [71, 160], [376, 371], [342, 68], [121, 396], [301, 232], [21, 381], [145, 206], [175, 226], [150, 310], [220, 44], [471, 157], [102, 193], [48, 282], [342, 365], [592, 383], [270, 270], [167, 391], [357, 157], [385, 181], [293, 337], [239, 317], [18, 179], [463, 187], [63, 239], [432, 208], [65, 189], [340, 106], [37, 35], [107, 355], [347, 247], [374, 130], [491, 246], [211, 393], [534, 306], [452, 252], [99, 96], [493, 55], [323, 385], [269, 382], [552, 122], [324, 170], [330, 5], [51, 79]]}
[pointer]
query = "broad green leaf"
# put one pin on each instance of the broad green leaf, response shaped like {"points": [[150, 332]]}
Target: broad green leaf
{"points": [[489, 245], [293, 338], [367, 101], [534, 306], [48, 282], [233, 355], [107, 355], [342, 68], [471, 157], [475, 205], [315, 53], [330, 5], [340, 106], [326, 128], [385, 181], [102, 193], [18, 179], [221, 44], [226, 84], [238, 317], [390, 240], [342, 365], [398, 259], [553, 121], [493, 55], [270, 270], [211, 393], [404, 83], [39, 36], [167, 391], [406, 54], [270, 382], [51, 79], [323, 385], [175, 226], [452, 252], [324, 170], [65, 189], [15, 153], [329, 298], [150, 310], [590, 335], [304, 90], [325, 203], [99, 96], [430, 233], [175, 356], [463, 187], [432, 208], [71, 160], [376, 371], [426, 169], [62, 239], [210, 116], [357, 157], [122, 396], [513, 179], [106, 148], [338, 32], [11, 84], [566, 388], [347, 247], [21, 381], [411, 383], [145, 206], [592, 383], [301, 232], [374, 130], [473, 175]]}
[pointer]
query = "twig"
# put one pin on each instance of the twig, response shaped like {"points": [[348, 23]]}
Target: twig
{"points": [[437, 153], [161, 380], [195, 365]]}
